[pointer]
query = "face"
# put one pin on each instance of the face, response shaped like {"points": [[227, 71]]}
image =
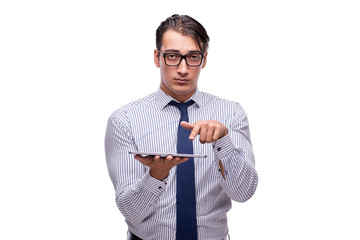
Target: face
{"points": [[179, 82]]}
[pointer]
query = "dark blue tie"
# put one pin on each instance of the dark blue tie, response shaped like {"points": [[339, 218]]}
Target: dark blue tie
{"points": [[185, 181]]}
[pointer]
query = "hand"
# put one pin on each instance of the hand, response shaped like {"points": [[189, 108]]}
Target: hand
{"points": [[209, 131], [160, 167]]}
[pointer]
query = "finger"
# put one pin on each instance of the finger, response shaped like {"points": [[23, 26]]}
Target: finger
{"points": [[217, 134], [187, 125], [141, 158], [144, 160], [203, 132], [195, 131], [181, 160], [222, 169], [169, 157], [210, 133]]}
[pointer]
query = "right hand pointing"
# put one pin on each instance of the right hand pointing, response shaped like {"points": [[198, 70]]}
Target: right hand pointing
{"points": [[209, 131]]}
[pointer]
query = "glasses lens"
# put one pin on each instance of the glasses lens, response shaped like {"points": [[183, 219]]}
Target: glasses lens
{"points": [[172, 59], [194, 59]]}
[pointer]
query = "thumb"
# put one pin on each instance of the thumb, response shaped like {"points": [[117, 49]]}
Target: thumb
{"points": [[187, 125]]}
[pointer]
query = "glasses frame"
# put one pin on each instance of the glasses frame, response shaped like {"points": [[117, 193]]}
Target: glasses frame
{"points": [[181, 58]]}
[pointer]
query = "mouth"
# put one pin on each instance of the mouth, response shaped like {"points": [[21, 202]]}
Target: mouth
{"points": [[181, 80]]}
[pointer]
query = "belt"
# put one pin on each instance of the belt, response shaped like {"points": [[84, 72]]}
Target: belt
{"points": [[134, 237]]}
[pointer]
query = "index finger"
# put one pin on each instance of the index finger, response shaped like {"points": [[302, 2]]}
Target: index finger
{"points": [[194, 132], [140, 157], [143, 160], [187, 125]]}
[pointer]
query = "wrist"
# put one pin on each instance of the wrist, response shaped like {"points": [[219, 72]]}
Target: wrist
{"points": [[160, 175]]}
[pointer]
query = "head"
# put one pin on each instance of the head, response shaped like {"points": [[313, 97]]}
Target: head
{"points": [[180, 35]]}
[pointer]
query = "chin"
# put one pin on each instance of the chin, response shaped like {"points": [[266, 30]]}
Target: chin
{"points": [[181, 90], [177, 90]]}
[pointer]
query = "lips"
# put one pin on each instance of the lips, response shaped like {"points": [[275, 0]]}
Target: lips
{"points": [[182, 80]]}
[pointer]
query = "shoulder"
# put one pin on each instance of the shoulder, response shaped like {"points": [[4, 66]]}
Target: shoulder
{"points": [[121, 114], [211, 100]]}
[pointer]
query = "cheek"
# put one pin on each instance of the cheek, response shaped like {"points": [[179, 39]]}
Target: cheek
{"points": [[168, 71], [166, 77], [195, 74], [165, 73]]}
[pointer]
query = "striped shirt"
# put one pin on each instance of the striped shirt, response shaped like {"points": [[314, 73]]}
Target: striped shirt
{"points": [[150, 125]]}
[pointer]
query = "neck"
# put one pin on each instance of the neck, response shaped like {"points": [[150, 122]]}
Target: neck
{"points": [[180, 97]]}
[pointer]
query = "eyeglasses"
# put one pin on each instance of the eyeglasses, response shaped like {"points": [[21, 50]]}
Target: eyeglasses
{"points": [[191, 59]]}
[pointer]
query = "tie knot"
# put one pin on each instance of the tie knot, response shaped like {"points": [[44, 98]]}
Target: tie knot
{"points": [[182, 106]]}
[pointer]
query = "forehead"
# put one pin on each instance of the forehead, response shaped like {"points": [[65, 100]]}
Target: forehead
{"points": [[173, 40]]}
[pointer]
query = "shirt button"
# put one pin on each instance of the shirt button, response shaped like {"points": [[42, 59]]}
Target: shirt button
{"points": [[160, 187], [219, 149]]}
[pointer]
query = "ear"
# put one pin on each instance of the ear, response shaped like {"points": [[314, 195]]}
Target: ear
{"points": [[205, 60], [156, 58]]}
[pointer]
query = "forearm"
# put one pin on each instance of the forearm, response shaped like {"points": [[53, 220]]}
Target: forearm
{"points": [[138, 200], [240, 177], [136, 191]]}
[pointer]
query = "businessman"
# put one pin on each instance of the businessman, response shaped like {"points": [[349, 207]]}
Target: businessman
{"points": [[182, 198]]}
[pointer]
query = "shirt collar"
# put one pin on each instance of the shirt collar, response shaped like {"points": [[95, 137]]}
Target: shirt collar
{"points": [[163, 99]]}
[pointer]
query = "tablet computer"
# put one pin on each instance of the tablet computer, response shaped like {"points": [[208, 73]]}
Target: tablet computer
{"points": [[166, 154]]}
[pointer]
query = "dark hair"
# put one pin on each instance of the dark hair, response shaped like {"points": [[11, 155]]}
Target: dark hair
{"points": [[185, 25]]}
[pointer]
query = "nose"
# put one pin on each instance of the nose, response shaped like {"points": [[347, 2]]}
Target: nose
{"points": [[183, 67]]}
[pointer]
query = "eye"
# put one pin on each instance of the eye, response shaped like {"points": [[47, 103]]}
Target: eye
{"points": [[194, 57], [171, 56]]}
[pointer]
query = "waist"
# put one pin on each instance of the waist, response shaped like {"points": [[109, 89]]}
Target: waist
{"points": [[134, 237]]}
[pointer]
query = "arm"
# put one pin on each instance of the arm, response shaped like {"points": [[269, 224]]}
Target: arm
{"points": [[136, 191], [233, 151]]}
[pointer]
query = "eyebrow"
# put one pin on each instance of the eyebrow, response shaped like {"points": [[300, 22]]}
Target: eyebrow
{"points": [[177, 51], [171, 50]]}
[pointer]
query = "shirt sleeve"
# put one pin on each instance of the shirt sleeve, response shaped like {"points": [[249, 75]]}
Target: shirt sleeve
{"points": [[136, 191], [236, 154]]}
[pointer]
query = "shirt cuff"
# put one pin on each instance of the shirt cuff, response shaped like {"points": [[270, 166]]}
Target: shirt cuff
{"points": [[154, 185], [223, 146]]}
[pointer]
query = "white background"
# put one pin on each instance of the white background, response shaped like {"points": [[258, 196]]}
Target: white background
{"points": [[65, 66]]}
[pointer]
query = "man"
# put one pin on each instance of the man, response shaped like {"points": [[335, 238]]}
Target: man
{"points": [[170, 197]]}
